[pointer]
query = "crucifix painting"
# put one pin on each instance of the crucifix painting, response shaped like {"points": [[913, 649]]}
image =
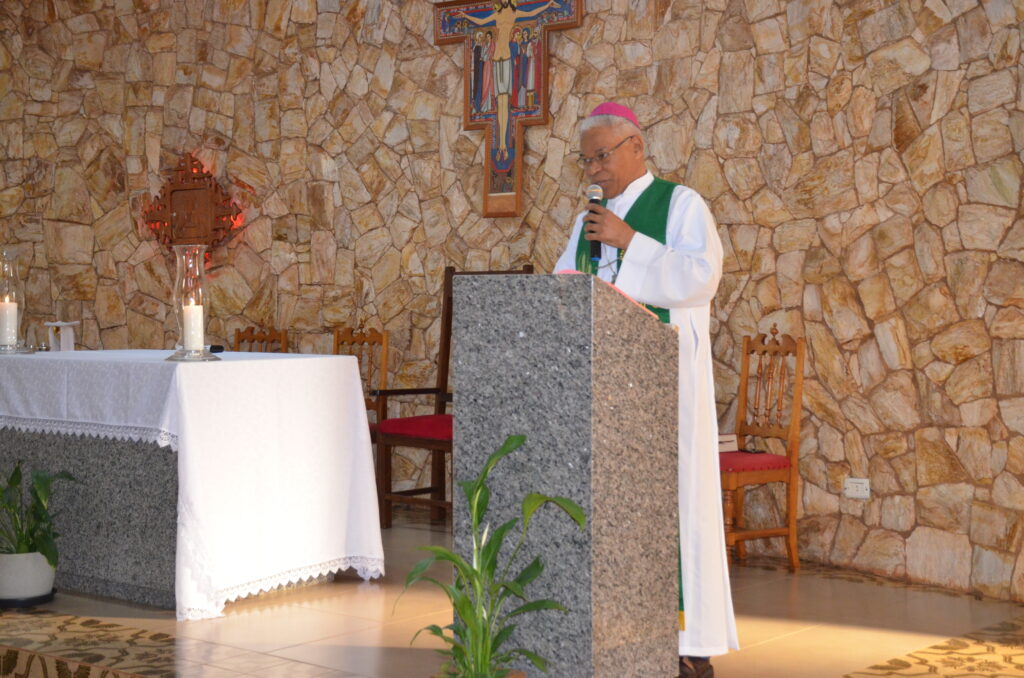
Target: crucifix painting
{"points": [[505, 83]]}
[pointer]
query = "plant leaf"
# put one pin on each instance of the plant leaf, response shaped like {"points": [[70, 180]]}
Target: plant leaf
{"points": [[468, 488], [417, 571], [15, 478], [491, 549], [434, 630], [535, 500], [573, 509], [543, 604], [530, 572], [534, 658], [45, 545], [445, 555], [511, 444], [483, 501], [502, 636], [515, 588]]}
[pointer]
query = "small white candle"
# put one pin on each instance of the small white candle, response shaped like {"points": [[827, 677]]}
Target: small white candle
{"points": [[8, 322], [192, 319]]}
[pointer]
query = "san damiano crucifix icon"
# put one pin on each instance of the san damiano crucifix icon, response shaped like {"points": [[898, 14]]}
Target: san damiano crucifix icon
{"points": [[505, 83]]}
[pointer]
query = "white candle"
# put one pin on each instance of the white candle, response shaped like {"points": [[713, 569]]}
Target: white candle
{"points": [[192, 319], [8, 322]]}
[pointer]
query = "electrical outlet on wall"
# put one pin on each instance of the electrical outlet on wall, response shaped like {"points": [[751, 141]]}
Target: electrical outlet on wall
{"points": [[857, 488]]}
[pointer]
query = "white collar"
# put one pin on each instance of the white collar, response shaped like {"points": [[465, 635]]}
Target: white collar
{"points": [[635, 187]]}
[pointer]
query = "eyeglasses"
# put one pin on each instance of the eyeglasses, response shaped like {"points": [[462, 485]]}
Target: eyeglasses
{"points": [[601, 156]]}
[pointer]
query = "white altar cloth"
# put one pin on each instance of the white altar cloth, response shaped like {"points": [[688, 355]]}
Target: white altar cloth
{"points": [[275, 472]]}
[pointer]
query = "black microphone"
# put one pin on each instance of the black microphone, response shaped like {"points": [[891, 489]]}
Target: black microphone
{"points": [[594, 195]]}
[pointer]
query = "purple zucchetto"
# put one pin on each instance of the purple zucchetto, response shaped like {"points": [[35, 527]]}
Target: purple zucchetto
{"points": [[618, 110]]}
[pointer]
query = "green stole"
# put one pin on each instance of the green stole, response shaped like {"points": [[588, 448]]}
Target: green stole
{"points": [[648, 215]]}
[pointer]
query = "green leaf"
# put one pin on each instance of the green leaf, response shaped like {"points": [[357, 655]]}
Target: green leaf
{"points": [[483, 501], [502, 636], [48, 548], [42, 483], [530, 572], [511, 444], [515, 588], [490, 551], [463, 607], [418, 570], [573, 509], [434, 630], [534, 658], [445, 555], [41, 489], [15, 478], [468, 488], [535, 500], [544, 604]]}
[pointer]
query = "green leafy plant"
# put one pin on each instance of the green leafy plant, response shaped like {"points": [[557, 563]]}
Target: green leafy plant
{"points": [[27, 528], [484, 596]]}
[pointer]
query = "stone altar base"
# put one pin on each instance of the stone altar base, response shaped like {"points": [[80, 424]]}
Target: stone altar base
{"points": [[118, 524], [591, 379]]}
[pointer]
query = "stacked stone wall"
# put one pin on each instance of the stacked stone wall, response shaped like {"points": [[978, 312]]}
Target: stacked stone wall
{"points": [[863, 160]]}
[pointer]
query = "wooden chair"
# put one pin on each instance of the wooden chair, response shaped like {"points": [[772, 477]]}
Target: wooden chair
{"points": [[370, 348], [261, 340], [766, 417], [431, 431]]}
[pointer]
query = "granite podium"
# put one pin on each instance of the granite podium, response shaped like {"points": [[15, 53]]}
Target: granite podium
{"points": [[590, 378]]}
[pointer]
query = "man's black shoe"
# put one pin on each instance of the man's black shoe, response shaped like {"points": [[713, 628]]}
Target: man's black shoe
{"points": [[695, 667]]}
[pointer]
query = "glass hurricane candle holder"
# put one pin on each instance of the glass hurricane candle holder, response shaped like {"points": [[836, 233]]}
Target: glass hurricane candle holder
{"points": [[189, 300], [12, 304]]}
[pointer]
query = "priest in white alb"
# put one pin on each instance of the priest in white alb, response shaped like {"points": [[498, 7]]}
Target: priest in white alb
{"points": [[660, 246]]}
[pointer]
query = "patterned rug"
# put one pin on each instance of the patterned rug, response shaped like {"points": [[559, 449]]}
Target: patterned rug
{"points": [[993, 652], [41, 644]]}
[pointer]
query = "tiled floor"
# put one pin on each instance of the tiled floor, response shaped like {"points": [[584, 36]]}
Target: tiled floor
{"points": [[815, 624]]}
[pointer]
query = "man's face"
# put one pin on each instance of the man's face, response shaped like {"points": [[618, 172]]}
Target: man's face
{"points": [[621, 167]]}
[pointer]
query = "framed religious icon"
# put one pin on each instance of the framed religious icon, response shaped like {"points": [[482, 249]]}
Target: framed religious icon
{"points": [[505, 83]]}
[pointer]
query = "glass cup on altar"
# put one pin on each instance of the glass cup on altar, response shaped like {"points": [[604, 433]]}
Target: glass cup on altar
{"points": [[189, 301], [12, 304]]}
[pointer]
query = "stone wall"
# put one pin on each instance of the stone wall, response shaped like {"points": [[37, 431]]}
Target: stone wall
{"points": [[863, 160]]}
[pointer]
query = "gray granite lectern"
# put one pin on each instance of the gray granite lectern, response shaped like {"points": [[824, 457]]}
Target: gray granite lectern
{"points": [[591, 379]]}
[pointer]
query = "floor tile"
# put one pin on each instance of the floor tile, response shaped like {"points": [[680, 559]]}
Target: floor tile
{"points": [[264, 629], [384, 651]]}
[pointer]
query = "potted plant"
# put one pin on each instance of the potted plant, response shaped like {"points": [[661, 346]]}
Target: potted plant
{"points": [[28, 548], [485, 595]]}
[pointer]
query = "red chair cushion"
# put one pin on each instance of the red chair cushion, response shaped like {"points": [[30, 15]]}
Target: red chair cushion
{"points": [[432, 426], [733, 462]]}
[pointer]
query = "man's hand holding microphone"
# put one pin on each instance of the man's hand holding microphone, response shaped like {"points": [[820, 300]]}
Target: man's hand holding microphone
{"points": [[602, 226]]}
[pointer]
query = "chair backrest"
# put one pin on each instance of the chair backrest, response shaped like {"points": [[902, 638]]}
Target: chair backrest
{"points": [[761, 403], [445, 347], [261, 340], [370, 348]]}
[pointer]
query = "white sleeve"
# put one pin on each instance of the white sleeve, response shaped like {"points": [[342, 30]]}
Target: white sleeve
{"points": [[685, 271], [568, 259]]}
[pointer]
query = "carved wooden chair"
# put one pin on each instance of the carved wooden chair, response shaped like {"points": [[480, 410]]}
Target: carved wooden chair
{"points": [[370, 348], [431, 432], [762, 413], [261, 340]]}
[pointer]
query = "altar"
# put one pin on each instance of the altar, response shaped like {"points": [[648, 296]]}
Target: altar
{"points": [[197, 483]]}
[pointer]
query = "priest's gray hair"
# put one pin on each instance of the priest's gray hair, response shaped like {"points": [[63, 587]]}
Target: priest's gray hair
{"points": [[613, 121]]}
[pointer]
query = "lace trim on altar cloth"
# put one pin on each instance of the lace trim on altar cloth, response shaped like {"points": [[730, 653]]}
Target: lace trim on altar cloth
{"points": [[365, 567], [138, 434]]}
